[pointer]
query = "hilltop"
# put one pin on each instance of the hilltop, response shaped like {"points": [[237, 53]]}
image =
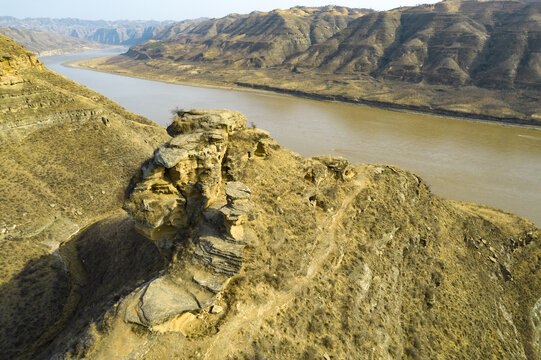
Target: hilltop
{"points": [[271, 255], [463, 58]]}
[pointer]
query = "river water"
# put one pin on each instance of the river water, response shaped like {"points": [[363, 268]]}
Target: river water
{"points": [[462, 160]]}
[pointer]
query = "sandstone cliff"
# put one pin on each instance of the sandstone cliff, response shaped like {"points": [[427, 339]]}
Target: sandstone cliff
{"points": [[455, 57], [270, 255], [66, 156]]}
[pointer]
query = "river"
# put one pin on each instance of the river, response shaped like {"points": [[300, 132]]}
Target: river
{"points": [[462, 160]]}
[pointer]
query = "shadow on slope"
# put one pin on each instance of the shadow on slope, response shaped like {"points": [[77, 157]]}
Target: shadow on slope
{"points": [[56, 296]]}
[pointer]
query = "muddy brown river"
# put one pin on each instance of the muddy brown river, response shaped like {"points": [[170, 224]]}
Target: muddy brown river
{"points": [[462, 160]]}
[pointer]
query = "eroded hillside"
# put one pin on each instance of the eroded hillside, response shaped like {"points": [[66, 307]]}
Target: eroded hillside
{"points": [[66, 157], [233, 247], [271, 255], [464, 58]]}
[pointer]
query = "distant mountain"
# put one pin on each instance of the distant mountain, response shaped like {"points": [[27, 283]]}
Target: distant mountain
{"points": [[49, 43], [121, 32]]}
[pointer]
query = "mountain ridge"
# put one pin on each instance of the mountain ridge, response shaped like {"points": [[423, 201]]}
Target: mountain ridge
{"points": [[120, 32]]}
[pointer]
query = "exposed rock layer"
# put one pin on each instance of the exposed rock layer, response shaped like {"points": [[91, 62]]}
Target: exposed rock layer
{"points": [[180, 202]]}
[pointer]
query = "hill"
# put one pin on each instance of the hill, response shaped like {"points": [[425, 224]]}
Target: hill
{"points": [[232, 246], [463, 58], [271, 255], [66, 156]]}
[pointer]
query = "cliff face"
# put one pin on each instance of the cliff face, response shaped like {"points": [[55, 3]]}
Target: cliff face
{"points": [[66, 156], [270, 255], [45, 43]]}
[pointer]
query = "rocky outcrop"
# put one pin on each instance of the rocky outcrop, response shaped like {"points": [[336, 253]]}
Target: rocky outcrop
{"points": [[264, 247], [320, 256], [13, 60], [183, 202]]}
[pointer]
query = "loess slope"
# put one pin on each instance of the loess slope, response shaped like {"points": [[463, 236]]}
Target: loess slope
{"points": [[66, 155]]}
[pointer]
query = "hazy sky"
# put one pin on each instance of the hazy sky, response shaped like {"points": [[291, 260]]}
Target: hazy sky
{"points": [[169, 9]]}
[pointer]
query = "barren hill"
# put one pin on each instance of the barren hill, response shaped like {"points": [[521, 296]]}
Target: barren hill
{"points": [[271, 255], [455, 57]]}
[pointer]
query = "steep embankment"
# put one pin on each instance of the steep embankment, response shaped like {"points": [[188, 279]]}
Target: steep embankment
{"points": [[464, 58], [45, 43], [66, 156], [271, 255]]}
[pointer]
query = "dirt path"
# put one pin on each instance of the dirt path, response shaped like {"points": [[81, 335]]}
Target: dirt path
{"points": [[252, 316]]}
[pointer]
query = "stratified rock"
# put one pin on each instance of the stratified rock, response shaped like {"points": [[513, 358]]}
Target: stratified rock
{"points": [[188, 121], [171, 203], [236, 190]]}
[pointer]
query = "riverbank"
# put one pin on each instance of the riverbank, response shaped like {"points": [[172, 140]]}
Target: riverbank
{"points": [[468, 103]]}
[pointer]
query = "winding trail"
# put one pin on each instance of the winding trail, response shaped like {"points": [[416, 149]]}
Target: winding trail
{"points": [[252, 316]]}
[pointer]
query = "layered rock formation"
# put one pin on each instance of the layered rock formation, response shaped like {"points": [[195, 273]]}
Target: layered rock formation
{"points": [[270, 255], [457, 57], [182, 203]]}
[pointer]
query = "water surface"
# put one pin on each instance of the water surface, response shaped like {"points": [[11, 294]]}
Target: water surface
{"points": [[462, 160]]}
